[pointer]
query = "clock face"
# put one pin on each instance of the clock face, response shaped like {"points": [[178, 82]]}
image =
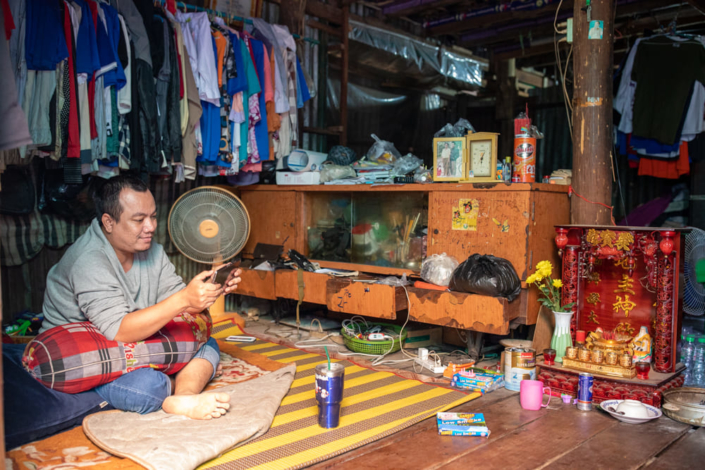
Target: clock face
{"points": [[481, 157]]}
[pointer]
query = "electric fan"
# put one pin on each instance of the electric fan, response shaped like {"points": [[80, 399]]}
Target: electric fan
{"points": [[209, 225], [693, 267]]}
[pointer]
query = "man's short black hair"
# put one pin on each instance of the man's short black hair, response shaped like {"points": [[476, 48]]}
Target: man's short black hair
{"points": [[107, 196]]}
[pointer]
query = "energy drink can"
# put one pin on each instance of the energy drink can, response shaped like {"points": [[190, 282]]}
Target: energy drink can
{"points": [[585, 381]]}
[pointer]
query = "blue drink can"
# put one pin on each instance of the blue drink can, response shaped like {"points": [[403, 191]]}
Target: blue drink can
{"points": [[585, 381], [329, 393]]}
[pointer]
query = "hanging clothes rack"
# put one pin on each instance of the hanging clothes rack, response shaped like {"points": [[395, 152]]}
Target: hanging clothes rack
{"points": [[230, 17]]}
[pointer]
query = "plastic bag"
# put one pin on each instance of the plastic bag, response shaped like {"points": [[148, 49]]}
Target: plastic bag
{"points": [[486, 275], [382, 151], [406, 164], [394, 281], [423, 175], [460, 129], [438, 269], [331, 172]]}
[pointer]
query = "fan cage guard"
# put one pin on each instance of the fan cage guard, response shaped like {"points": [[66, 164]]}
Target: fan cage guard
{"points": [[694, 292], [209, 203]]}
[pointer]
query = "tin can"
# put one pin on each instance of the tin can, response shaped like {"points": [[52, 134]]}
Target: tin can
{"points": [[585, 381], [597, 356], [611, 358], [625, 360], [516, 179], [525, 158], [519, 364], [584, 354], [571, 352]]}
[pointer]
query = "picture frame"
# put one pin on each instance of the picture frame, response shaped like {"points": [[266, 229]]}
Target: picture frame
{"points": [[449, 158]]}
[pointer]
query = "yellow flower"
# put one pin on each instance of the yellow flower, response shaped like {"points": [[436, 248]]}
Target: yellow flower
{"points": [[531, 279], [544, 268], [557, 284]]}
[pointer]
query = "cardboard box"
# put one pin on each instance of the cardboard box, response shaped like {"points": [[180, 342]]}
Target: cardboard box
{"points": [[423, 337], [298, 177]]}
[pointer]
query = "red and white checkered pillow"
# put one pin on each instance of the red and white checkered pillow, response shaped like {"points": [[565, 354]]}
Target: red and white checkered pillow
{"points": [[76, 357]]}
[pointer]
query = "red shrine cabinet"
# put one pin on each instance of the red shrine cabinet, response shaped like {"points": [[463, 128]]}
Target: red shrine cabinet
{"points": [[621, 279]]}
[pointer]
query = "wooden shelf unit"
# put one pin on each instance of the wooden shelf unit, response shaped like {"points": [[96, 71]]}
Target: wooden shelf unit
{"points": [[529, 212]]}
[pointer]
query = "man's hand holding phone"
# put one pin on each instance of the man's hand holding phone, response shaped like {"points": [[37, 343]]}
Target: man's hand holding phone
{"points": [[227, 276]]}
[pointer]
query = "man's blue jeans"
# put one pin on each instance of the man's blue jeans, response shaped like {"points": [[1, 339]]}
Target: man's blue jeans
{"points": [[144, 390]]}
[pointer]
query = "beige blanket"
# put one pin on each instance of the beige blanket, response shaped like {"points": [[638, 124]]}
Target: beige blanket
{"points": [[163, 441]]}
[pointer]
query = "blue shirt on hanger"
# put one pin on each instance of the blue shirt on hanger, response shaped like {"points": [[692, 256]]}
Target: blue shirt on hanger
{"points": [[45, 43], [87, 60], [261, 129]]}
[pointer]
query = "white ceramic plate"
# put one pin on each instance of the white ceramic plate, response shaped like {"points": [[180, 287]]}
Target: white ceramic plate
{"points": [[652, 410]]}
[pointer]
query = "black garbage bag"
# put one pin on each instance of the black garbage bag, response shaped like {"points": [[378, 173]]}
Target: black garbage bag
{"points": [[486, 275]]}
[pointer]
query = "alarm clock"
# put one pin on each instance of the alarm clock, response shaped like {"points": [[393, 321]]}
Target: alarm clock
{"points": [[481, 165]]}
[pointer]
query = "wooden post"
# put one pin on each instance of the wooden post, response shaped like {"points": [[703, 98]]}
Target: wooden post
{"points": [[592, 112], [344, 77], [291, 14], [504, 106]]}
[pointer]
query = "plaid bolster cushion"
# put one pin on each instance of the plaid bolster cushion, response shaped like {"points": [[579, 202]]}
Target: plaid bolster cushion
{"points": [[76, 357]]}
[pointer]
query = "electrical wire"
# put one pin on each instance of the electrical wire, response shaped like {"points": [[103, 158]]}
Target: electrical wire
{"points": [[556, 50]]}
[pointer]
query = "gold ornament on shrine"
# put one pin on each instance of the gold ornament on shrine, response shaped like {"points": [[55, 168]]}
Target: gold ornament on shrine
{"points": [[625, 305], [593, 237], [608, 238], [593, 298], [592, 318], [625, 328], [624, 240], [626, 285]]}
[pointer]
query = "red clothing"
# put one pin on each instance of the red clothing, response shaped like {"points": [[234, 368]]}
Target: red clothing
{"points": [[74, 139], [670, 169], [9, 21], [91, 84]]}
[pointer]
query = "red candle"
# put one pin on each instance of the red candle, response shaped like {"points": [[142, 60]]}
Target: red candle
{"points": [[580, 336]]}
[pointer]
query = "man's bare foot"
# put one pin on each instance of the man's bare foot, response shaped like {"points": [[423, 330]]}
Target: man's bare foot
{"points": [[201, 406], [218, 371]]}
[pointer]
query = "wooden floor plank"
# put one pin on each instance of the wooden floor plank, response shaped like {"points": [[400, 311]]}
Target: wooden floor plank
{"points": [[426, 449], [538, 441], [688, 452], [623, 446], [427, 426]]}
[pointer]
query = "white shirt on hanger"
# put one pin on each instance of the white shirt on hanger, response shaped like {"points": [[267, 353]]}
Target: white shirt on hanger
{"points": [[199, 45]]}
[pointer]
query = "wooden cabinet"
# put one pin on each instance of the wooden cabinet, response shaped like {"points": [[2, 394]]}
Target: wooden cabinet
{"points": [[511, 221]]}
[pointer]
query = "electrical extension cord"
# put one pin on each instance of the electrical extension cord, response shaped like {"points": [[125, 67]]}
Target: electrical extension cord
{"points": [[431, 365]]}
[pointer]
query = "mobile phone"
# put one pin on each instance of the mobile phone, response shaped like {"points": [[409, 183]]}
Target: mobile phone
{"points": [[222, 272]]}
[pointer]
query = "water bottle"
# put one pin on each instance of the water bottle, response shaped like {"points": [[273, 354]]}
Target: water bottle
{"points": [[507, 171], [687, 352], [699, 364]]}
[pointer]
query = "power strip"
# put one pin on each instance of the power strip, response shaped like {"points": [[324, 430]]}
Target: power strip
{"points": [[431, 365]]}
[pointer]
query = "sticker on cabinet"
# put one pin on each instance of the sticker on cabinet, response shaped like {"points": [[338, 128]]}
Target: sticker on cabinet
{"points": [[465, 214]]}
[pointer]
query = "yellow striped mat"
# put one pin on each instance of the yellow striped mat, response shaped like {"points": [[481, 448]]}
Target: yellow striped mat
{"points": [[375, 405]]}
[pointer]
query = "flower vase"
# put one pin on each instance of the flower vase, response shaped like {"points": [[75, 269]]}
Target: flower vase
{"points": [[561, 338]]}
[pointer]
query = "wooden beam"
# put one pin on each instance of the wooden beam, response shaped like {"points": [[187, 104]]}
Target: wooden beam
{"points": [[522, 53], [487, 21], [592, 115], [698, 5], [424, 7], [335, 32], [321, 10]]}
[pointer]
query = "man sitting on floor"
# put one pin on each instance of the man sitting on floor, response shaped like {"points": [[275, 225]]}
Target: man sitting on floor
{"points": [[117, 278]]}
